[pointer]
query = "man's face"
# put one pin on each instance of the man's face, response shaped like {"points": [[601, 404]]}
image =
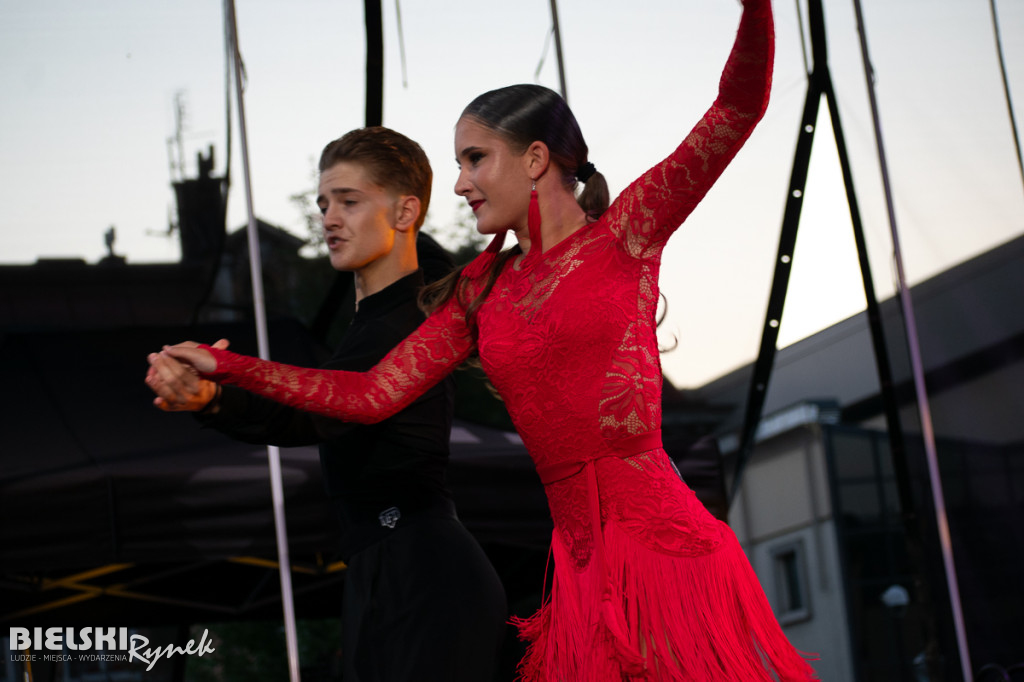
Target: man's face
{"points": [[358, 217]]}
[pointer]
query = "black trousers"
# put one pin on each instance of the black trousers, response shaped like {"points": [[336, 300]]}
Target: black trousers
{"points": [[423, 604]]}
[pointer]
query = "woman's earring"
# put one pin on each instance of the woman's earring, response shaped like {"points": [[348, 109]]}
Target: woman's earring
{"points": [[533, 216]]}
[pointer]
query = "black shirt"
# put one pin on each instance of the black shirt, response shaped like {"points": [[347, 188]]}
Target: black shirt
{"points": [[368, 468]]}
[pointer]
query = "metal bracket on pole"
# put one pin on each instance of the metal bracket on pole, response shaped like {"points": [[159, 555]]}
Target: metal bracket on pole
{"points": [[273, 453]]}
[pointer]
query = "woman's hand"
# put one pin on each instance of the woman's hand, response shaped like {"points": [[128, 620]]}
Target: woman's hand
{"points": [[177, 385], [189, 353]]}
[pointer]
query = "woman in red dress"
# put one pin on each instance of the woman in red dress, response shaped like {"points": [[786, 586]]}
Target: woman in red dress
{"points": [[646, 584]]}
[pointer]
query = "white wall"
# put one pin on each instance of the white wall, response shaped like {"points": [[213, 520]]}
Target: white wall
{"points": [[784, 504]]}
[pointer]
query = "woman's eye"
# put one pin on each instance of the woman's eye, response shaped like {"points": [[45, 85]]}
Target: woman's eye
{"points": [[475, 157]]}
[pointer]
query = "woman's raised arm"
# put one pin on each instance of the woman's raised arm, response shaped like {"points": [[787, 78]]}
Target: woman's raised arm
{"points": [[657, 203]]}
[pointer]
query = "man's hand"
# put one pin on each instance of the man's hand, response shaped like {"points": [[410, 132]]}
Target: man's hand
{"points": [[178, 386]]}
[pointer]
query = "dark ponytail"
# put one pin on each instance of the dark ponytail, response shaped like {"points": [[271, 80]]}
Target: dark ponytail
{"points": [[594, 198]]}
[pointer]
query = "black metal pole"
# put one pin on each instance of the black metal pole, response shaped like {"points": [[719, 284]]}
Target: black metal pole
{"points": [[342, 284], [820, 84], [374, 63], [780, 281]]}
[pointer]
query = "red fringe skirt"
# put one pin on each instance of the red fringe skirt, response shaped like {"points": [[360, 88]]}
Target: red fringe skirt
{"points": [[638, 614]]}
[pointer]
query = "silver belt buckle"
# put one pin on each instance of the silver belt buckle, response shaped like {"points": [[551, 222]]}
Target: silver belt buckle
{"points": [[389, 517]]}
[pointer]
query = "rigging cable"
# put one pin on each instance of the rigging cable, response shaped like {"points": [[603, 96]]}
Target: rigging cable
{"points": [[401, 44], [803, 39], [227, 114], [543, 55], [917, 370], [557, 33], [1006, 87]]}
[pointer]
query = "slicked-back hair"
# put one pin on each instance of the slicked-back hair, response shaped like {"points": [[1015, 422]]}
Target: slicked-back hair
{"points": [[391, 160], [526, 113]]}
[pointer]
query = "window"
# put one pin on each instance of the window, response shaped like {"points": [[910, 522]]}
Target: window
{"points": [[792, 598]]}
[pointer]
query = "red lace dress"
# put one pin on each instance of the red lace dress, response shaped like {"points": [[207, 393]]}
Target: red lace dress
{"points": [[646, 583]]}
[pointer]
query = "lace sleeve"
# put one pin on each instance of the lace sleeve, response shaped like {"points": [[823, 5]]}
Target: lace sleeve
{"points": [[426, 356], [647, 213]]}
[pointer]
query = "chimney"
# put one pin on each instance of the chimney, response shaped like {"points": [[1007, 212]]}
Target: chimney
{"points": [[201, 215]]}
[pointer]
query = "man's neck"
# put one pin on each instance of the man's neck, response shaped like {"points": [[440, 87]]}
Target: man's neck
{"points": [[401, 261], [369, 283]]}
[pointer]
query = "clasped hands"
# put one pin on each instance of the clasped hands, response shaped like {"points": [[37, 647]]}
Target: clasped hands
{"points": [[173, 375]]}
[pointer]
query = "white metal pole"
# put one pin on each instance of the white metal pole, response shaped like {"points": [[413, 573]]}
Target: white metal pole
{"points": [[917, 368], [273, 453]]}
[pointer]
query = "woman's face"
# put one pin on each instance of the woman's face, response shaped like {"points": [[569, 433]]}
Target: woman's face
{"points": [[492, 178]]}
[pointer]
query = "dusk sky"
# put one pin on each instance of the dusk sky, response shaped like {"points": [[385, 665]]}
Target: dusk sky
{"points": [[88, 109]]}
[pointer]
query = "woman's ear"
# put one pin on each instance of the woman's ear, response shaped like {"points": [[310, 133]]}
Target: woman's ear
{"points": [[407, 212], [536, 159]]}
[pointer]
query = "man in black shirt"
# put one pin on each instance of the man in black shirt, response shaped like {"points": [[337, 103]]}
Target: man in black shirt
{"points": [[421, 600]]}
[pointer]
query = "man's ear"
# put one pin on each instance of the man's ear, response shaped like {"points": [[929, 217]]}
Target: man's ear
{"points": [[407, 212], [537, 158]]}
